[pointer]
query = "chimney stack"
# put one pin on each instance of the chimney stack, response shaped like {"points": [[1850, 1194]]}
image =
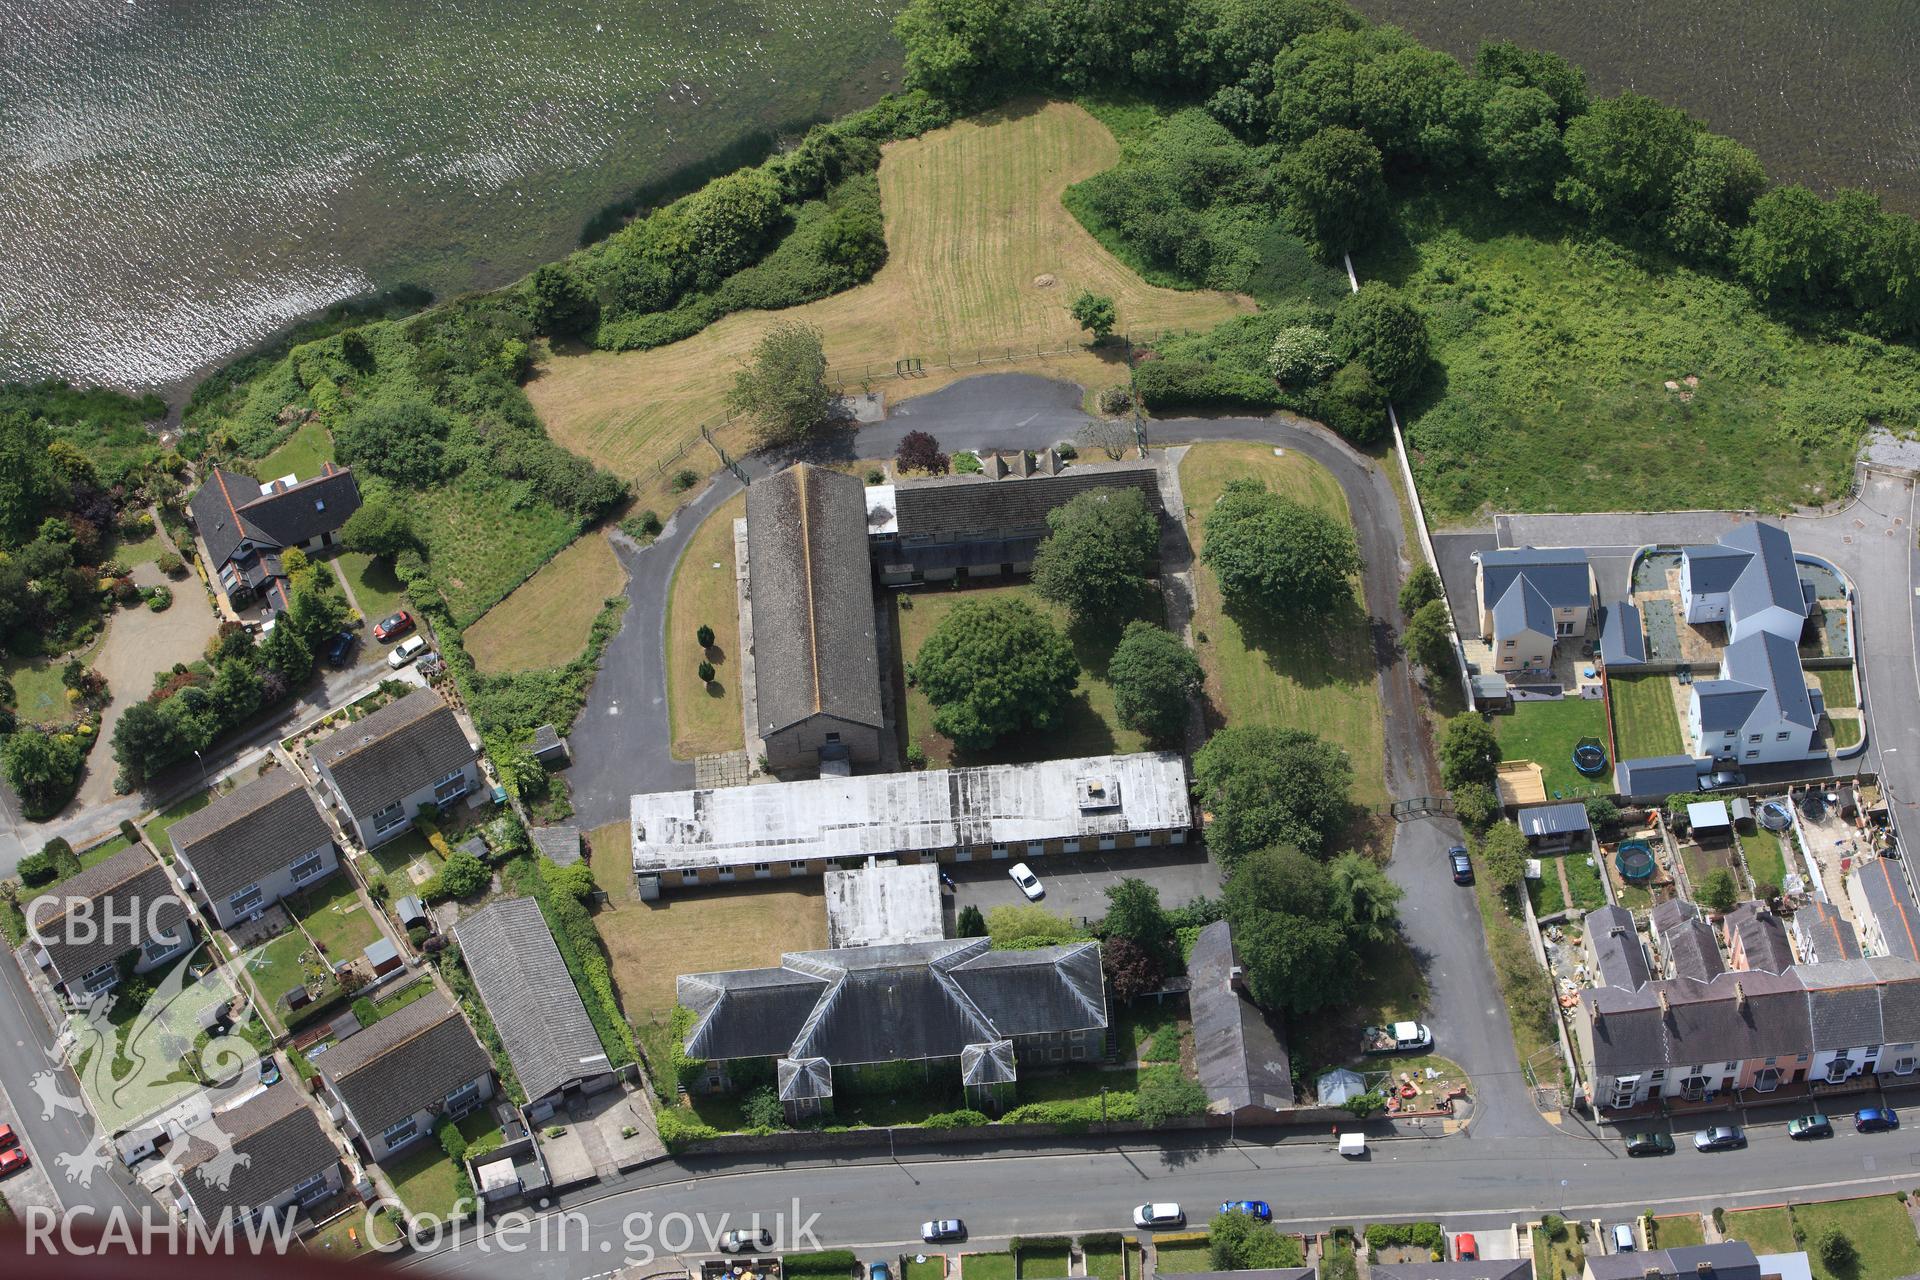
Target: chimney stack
{"points": [[1740, 996]]}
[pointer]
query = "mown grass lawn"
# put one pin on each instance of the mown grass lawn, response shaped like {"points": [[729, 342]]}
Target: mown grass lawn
{"points": [[1838, 688], [1767, 1230], [987, 1266], [545, 622], [423, 1178], [373, 585], [1106, 1263], [101, 852], [138, 551], [1183, 1257], [1846, 732], [1089, 726], [39, 695], [1315, 674], [1557, 1260], [1544, 732], [1043, 1263], [301, 454], [1644, 720], [158, 825], [1879, 1228], [1678, 1231], [1766, 855], [395, 857], [706, 716], [336, 917]]}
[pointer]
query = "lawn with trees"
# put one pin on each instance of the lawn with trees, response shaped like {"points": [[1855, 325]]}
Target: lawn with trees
{"points": [[994, 668]]}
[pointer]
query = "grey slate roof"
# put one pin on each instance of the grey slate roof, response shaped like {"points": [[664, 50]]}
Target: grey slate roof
{"points": [[410, 743], [1728, 1260], [1762, 937], [1491, 1269], [280, 1143], [1522, 608], [1715, 567], [1241, 1058], [251, 832], [1256, 1273], [814, 649], [968, 508], [1617, 952], [123, 887], [531, 998], [1658, 775], [406, 1062], [1559, 574], [561, 845], [1769, 665], [894, 1002], [1553, 820], [229, 508], [1692, 951], [1623, 643], [1893, 907], [1671, 914], [1825, 933], [804, 1080], [1728, 704], [1769, 578]]}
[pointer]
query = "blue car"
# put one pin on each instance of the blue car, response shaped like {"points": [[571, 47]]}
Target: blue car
{"points": [[1875, 1120], [338, 648], [1259, 1209]]}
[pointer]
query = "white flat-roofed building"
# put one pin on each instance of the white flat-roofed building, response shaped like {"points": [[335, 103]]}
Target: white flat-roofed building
{"points": [[953, 815]]}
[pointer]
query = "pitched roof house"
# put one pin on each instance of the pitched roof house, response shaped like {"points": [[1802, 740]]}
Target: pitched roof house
{"points": [[1821, 933], [1614, 950], [383, 768], [1748, 580], [816, 664], [1529, 599], [87, 923], [1488, 1269], [1756, 939], [391, 1080], [274, 1156], [1239, 1053], [1686, 940], [246, 525], [1884, 909], [1727, 1260], [248, 849], [522, 980], [1759, 710]]}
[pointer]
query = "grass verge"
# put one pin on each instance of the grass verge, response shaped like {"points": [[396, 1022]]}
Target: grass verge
{"points": [[545, 621], [706, 715]]}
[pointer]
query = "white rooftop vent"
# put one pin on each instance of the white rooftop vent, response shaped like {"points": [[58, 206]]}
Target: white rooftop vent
{"points": [[1099, 792], [319, 504]]}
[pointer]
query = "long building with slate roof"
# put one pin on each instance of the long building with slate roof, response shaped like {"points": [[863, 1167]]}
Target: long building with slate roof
{"points": [[816, 664], [822, 1012], [388, 1083], [1748, 580], [523, 981], [1239, 1053], [383, 768], [85, 924], [253, 846], [273, 1157]]}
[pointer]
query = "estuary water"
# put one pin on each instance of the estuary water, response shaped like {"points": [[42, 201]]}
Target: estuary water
{"points": [[181, 178]]}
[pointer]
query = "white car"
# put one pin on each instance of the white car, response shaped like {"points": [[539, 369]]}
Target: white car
{"points": [[1029, 883], [741, 1241], [406, 651], [1166, 1214]]}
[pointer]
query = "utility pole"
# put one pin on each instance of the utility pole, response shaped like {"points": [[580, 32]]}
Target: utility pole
{"points": [[1133, 397]]}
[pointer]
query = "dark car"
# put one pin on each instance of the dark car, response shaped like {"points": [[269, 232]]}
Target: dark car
{"points": [[394, 624], [1814, 1126], [1259, 1209], [1875, 1120], [339, 649], [1719, 1137], [269, 1071], [1722, 778], [1462, 864], [1649, 1144]]}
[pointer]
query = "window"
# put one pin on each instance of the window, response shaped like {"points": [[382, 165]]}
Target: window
{"points": [[1753, 737], [1839, 1069], [99, 978], [1782, 736], [763, 866], [396, 1134], [833, 738], [451, 787], [245, 900], [1730, 733], [160, 947], [465, 1093], [308, 867], [1903, 1066], [388, 818], [796, 866], [1511, 643], [1753, 755], [311, 1189]]}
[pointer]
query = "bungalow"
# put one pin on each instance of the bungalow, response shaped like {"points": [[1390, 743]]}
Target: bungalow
{"points": [[250, 848], [246, 525], [1749, 580], [1759, 710], [384, 768], [271, 1156], [1239, 1052], [388, 1083], [124, 906], [1529, 600]]}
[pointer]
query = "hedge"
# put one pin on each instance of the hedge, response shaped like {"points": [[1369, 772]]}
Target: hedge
{"points": [[579, 944], [962, 1119], [827, 1262], [454, 970], [1075, 1114], [1388, 1235]]}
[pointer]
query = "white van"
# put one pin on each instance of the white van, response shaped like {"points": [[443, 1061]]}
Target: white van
{"points": [[1353, 1145], [406, 651]]}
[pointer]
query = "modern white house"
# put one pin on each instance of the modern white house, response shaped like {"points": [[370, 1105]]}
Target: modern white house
{"points": [[1748, 580], [1529, 600], [253, 846], [388, 1083], [382, 769], [1759, 710]]}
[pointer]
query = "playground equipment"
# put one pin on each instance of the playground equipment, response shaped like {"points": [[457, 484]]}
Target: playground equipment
{"points": [[1775, 816], [1814, 805], [1635, 860], [1590, 757]]}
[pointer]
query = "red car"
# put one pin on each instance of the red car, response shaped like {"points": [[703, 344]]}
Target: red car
{"points": [[397, 624], [13, 1161], [8, 1137], [1466, 1248]]}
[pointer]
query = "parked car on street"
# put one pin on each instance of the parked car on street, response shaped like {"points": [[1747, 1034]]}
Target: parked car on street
{"points": [[942, 1229], [1157, 1216], [1719, 1137], [8, 1138], [1875, 1120], [1029, 883], [406, 651], [1398, 1037], [339, 649], [1461, 863], [1810, 1127], [1252, 1208], [1649, 1144], [1466, 1248], [13, 1160], [742, 1241]]}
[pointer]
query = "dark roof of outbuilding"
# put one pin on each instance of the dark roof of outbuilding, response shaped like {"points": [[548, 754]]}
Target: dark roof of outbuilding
{"points": [[968, 507], [814, 646], [1658, 775], [1622, 641], [530, 996], [279, 1144], [1240, 1055], [407, 1061], [123, 887], [1553, 819], [229, 508], [408, 744], [253, 831]]}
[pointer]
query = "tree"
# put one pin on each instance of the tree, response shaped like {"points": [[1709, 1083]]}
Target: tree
{"points": [[1301, 355], [1273, 553], [1383, 331], [853, 239], [403, 440], [1520, 142], [562, 303], [1503, 854], [782, 390], [1428, 638], [1336, 195], [1601, 811], [1155, 679], [1468, 751], [919, 451], [381, 527], [1238, 1241], [29, 482], [1624, 155], [762, 1109], [1506, 63], [1165, 1094], [285, 652], [1109, 437], [1265, 785], [1355, 405], [147, 739], [992, 668], [1131, 969], [1095, 557], [1296, 963], [970, 923], [1837, 1251], [1476, 805], [1712, 197], [1094, 312], [1421, 587], [1718, 891], [705, 672], [316, 614], [1022, 925], [957, 49], [703, 636], [1786, 249], [1135, 914], [43, 769], [1365, 901], [463, 876]]}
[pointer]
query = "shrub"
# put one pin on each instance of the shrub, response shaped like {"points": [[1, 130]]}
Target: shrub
{"points": [[1554, 1227], [876, 476], [159, 599], [963, 1119], [703, 636], [36, 869], [684, 480], [643, 526], [463, 876], [364, 1012], [1116, 399], [762, 1110], [916, 756], [967, 463], [170, 564], [705, 672], [1837, 1252], [837, 1263]]}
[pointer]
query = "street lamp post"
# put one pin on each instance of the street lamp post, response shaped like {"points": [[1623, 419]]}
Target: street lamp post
{"points": [[203, 769]]}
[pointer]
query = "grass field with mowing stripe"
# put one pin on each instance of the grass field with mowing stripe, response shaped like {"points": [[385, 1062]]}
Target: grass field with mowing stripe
{"points": [[545, 622], [974, 220], [1315, 674], [1644, 721], [1544, 732], [706, 717]]}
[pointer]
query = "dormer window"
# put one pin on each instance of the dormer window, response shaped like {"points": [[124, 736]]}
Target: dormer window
{"points": [[319, 504]]}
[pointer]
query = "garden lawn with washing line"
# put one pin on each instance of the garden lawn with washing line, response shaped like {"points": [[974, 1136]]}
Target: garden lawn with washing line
{"points": [[395, 858], [378, 592], [301, 454], [1544, 732], [336, 917], [1879, 1228], [1089, 725], [1315, 673], [545, 622], [706, 716], [1644, 720]]}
